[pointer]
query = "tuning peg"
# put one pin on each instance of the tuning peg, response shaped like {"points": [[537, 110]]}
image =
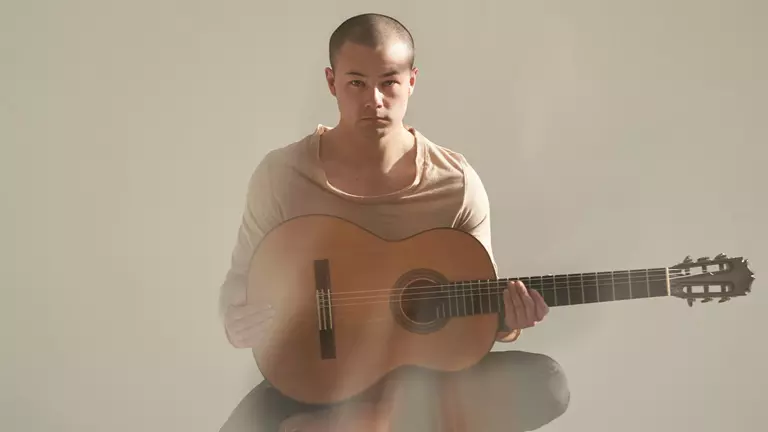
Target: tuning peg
{"points": [[707, 300], [690, 302], [704, 258], [688, 259], [724, 299], [721, 256]]}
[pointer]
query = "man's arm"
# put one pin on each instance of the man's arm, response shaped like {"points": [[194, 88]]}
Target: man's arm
{"points": [[260, 214], [476, 220]]}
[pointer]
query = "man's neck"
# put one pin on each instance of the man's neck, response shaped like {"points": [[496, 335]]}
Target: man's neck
{"points": [[380, 153]]}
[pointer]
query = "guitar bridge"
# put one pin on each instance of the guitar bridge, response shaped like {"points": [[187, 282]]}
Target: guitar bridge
{"points": [[324, 310]]}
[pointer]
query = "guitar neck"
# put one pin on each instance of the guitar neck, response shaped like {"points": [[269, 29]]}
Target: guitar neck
{"points": [[485, 296]]}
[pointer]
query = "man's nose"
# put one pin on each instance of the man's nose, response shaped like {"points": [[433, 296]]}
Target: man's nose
{"points": [[375, 98]]}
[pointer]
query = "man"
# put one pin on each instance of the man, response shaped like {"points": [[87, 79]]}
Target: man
{"points": [[374, 170]]}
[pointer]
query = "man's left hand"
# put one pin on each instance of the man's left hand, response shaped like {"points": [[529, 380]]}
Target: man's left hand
{"points": [[523, 307]]}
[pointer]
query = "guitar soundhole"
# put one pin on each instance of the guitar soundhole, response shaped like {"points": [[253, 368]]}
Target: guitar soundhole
{"points": [[421, 305]]}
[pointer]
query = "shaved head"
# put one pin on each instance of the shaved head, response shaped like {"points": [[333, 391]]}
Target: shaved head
{"points": [[373, 31]]}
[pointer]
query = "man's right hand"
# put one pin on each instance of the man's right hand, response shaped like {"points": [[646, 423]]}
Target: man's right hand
{"points": [[245, 324]]}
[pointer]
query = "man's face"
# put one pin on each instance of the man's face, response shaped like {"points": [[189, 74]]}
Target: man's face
{"points": [[372, 85]]}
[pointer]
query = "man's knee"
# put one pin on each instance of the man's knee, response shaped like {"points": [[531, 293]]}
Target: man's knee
{"points": [[552, 375], [541, 381], [252, 413]]}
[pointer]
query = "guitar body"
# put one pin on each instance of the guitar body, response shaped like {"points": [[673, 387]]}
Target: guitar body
{"points": [[348, 310]]}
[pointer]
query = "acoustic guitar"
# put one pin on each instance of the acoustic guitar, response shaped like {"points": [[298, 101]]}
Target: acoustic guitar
{"points": [[351, 307]]}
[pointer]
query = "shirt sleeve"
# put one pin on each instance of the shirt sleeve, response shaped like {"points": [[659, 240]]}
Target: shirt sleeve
{"points": [[260, 214], [475, 216], [476, 220]]}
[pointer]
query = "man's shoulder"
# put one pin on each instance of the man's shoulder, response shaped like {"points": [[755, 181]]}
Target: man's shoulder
{"points": [[451, 169], [446, 160], [290, 152], [289, 157], [283, 164]]}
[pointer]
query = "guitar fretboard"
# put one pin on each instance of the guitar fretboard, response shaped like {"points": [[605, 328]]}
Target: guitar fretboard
{"points": [[486, 296]]}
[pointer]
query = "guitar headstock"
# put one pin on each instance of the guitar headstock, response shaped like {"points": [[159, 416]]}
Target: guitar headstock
{"points": [[707, 279]]}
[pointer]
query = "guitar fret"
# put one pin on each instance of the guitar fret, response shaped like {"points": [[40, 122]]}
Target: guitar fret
{"points": [[647, 283], [464, 301], [459, 299], [464, 294], [562, 290], [548, 289], [498, 301], [456, 297], [489, 291], [480, 298], [487, 296], [453, 297], [622, 288], [605, 287], [575, 290], [441, 296], [597, 287], [471, 298], [636, 277], [589, 286]]}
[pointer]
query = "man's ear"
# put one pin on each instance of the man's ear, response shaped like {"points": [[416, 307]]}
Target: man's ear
{"points": [[412, 80], [330, 79]]}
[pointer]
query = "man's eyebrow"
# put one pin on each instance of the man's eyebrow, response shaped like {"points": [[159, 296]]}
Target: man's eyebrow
{"points": [[386, 74]]}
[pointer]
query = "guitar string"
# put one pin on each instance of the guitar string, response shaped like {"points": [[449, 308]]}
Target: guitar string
{"points": [[535, 283], [444, 295], [620, 278], [493, 285], [347, 315]]}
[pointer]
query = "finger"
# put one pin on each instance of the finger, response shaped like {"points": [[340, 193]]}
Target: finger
{"points": [[542, 309], [530, 313], [245, 324], [251, 308], [239, 312], [519, 307], [258, 335], [243, 329], [252, 336], [509, 308], [253, 341], [248, 343]]}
